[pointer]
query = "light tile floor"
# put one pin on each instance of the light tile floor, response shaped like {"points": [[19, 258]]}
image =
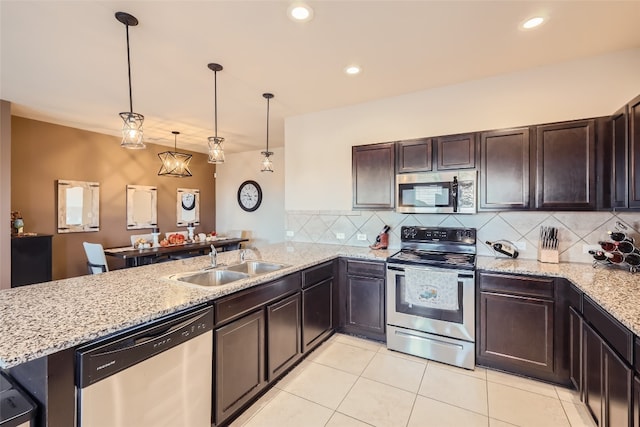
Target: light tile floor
{"points": [[354, 382]]}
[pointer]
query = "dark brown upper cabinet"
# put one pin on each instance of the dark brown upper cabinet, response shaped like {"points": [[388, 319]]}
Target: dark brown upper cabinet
{"points": [[414, 155], [625, 152], [566, 166], [634, 153], [620, 172], [456, 151], [504, 169], [373, 177]]}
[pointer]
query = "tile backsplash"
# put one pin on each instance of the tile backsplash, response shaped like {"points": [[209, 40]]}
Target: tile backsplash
{"points": [[575, 229]]}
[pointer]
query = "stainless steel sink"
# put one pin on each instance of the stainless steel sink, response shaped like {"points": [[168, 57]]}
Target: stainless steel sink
{"points": [[255, 267], [210, 277]]}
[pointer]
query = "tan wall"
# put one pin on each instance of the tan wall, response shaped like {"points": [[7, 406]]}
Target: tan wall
{"points": [[43, 153]]}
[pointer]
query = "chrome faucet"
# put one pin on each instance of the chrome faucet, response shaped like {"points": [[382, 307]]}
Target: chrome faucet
{"points": [[214, 257], [244, 253]]}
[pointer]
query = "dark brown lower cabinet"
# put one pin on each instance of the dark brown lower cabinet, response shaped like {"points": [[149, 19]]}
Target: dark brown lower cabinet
{"points": [[636, 401], [516, 324], [607, 381], [239, 361], [283, 335], [317, 313], [575, 349], [362, 297], [517, 332], [617, 384], [592, 364], [365, 305]]}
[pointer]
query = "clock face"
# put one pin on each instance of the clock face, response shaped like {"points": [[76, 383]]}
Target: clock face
{"points": [[249, 196], [188, 201]]}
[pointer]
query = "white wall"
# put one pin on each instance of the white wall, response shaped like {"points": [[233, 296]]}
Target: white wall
{"points": [[266, 224], [318, 146]]}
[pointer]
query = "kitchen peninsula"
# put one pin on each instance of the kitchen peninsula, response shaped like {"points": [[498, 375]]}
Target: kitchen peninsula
{"points": [[44, 320]]}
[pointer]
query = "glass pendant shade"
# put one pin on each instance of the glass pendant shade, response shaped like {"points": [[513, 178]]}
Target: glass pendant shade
{"points": [[216, 150], [267, 164], [175, 164], [132, 132]]}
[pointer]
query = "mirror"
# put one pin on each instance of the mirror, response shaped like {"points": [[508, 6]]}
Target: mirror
{"points": [[142, 207], [78, 206], [188, 206]]}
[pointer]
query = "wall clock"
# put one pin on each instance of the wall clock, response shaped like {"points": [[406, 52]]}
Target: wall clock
{"points": [[249, 196]]}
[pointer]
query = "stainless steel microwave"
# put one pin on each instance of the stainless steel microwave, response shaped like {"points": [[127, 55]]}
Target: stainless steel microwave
{"points": [[437, 192]]}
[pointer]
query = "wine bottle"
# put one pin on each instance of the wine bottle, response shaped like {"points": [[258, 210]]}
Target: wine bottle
{"points": [[618, 236], [507, 250], [608, 246]]}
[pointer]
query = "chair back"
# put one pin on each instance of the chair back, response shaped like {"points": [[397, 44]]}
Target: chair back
{"points": [[96, 261]]}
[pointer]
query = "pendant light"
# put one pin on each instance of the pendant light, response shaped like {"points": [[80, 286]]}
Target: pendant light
{"points": [[132, 128], [267, 164], [175, 164], [216, 149]]}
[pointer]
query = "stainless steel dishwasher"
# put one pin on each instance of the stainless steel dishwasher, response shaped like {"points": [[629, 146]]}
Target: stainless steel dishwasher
{"points": [[156, 375]]}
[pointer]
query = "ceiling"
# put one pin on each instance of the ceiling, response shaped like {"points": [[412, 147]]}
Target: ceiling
{"points": [[65, 61]]}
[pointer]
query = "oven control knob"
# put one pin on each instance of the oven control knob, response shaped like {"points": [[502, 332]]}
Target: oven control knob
{"points": [[409, 232]]}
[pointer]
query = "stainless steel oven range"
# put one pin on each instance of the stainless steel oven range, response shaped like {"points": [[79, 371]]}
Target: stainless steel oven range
{"points": [[431, 295]]}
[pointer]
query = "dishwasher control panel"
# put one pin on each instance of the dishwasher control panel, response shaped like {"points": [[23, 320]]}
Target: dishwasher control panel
{"points": [[99, 360]]}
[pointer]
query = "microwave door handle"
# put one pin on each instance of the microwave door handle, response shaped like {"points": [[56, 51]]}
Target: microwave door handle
{"points": [[454, 193]]}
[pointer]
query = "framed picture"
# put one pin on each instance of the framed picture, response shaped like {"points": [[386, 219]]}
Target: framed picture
{"points": [[78, 206], [188, 206], [142, 207]]}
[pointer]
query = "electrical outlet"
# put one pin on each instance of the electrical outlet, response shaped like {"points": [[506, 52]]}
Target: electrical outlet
{"points": [[289, 233], [361, 236], [587, 248], [340, 236]]}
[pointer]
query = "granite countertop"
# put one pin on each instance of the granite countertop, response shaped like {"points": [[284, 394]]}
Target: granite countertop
{"points": [[38, 320], [614, 289], [41, 319]]}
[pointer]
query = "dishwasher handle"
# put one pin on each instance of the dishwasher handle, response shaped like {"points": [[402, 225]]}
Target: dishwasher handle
{"points": [[101, 360]]}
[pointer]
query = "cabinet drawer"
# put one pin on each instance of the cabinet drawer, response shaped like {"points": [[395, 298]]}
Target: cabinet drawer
{"points": [[317, 274], [366, 268], [614, 332], [526, 286], [237, 304]]}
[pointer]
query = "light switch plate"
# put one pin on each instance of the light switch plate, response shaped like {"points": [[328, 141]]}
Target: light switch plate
{"points": [[340, 236], [361, 236]]}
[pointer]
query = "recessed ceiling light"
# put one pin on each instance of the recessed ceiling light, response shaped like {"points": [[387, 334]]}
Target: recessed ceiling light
{"points": [[533, 22], [300, 12], [352, 70]]}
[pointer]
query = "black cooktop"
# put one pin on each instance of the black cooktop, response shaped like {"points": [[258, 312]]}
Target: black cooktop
{"points": [[437, 259], [446, 247]]}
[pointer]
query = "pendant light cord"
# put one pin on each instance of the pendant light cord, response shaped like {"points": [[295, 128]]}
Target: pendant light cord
{"points": [[129, 71], [268, 99], [215, 101]]}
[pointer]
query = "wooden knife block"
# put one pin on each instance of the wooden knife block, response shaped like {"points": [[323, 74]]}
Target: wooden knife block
{"points": [[548, 255]]}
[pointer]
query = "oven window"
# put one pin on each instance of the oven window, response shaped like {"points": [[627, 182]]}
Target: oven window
{"points": [[404, 305], [424, 195]]}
